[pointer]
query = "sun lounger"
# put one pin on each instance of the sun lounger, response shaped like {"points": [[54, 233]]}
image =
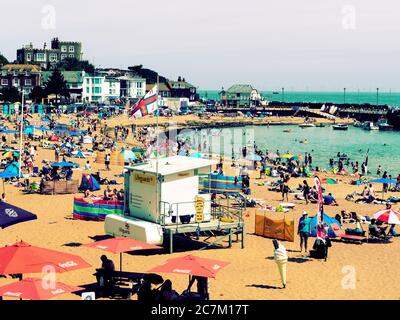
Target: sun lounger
{"points": [[342, 236]]}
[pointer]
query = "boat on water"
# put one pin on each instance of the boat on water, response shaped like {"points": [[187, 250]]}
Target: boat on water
{"points": [[305, 141], [287, 130], [307, 125], [384, 126], [369, 125], [275, 92], [340, 126]]}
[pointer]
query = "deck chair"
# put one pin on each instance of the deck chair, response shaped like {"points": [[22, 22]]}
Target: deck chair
{"points": [[342, 236], [377, 237]]}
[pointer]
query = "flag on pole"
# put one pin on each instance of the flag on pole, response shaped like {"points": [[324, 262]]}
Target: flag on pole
{"points": [[320, 199], [146, 105]]}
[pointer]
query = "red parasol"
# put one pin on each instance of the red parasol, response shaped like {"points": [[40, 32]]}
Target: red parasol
{"points": [[120, 245], [24, 258], [191, 265], [389, 216], [36, 289]]}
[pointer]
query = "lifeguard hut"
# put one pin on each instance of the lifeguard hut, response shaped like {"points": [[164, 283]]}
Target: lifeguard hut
{"points": [[166, 197]]}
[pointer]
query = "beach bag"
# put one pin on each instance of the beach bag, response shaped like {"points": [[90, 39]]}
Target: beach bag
{"points": [[319, 250]]}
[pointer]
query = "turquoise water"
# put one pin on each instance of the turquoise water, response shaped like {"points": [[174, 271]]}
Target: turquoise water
{"points": [[389, 98], [324, 143]]}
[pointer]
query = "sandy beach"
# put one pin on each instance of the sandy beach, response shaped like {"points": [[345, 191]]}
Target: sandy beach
{"points": [[252, 273]]}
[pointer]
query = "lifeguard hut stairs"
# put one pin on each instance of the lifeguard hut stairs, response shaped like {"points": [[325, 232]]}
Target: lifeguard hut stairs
{"points": [[226, 222]]}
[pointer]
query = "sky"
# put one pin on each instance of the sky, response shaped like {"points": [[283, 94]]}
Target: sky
{"points": [[315, 45]]}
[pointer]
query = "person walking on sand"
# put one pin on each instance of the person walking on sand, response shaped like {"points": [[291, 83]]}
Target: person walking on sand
{"points": [[107, 161], [304, 231], [285, 189], [306, 191]]}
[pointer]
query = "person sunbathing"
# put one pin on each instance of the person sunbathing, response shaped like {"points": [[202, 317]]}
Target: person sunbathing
{"points": [[329, 200]]}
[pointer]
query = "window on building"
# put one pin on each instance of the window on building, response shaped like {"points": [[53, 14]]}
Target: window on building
{"points": [[96, 90], [4, 82], [71, 55], [87, 81], [71, 49], [28, 82], [29, 57], [40, 57], [87, 90], [63, 56], [16, 82], [4, 73], [139, 85], [53, 57], [96, 81], [63, 48]]}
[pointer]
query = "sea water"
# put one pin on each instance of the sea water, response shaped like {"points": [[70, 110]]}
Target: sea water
{"points": [[382, 147], [383, 98]]}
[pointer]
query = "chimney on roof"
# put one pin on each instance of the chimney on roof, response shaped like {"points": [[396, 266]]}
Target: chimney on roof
{"points": [[44, 46], [179, 79]]}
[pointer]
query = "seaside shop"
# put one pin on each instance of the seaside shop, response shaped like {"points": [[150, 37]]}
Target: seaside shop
{"points": [[166, 197]]}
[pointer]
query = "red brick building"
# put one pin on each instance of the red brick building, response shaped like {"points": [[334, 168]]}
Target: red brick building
{"points": [[24, 77]]}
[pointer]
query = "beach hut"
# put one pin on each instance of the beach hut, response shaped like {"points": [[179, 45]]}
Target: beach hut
{"points": [[153, 204]]}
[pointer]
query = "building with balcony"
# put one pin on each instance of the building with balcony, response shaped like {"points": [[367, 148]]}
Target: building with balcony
{"points": [[240, 95]]}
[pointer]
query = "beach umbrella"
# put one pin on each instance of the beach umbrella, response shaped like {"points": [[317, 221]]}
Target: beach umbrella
{"points": [[197, 155], [388, 216], [253, 157], [121, 245], [383, 181], [23, 258], [65, 164], [10, 215], [388, 181], [286, 156], [191, 265], [272, 156], [128, 155], [33, 289]]}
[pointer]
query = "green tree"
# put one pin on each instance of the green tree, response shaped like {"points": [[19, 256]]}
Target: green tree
{"points": [[10, 94], [73, 64], [3, 60], [37, 94], [57, 85]]}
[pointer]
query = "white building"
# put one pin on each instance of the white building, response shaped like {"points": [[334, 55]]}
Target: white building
{"points": [[161, 194], [101, 89], [132, 87]]}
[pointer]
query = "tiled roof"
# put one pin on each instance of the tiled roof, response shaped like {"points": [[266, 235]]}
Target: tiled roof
{"points": [[181, 84], [240, 88], [21, 67]]}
